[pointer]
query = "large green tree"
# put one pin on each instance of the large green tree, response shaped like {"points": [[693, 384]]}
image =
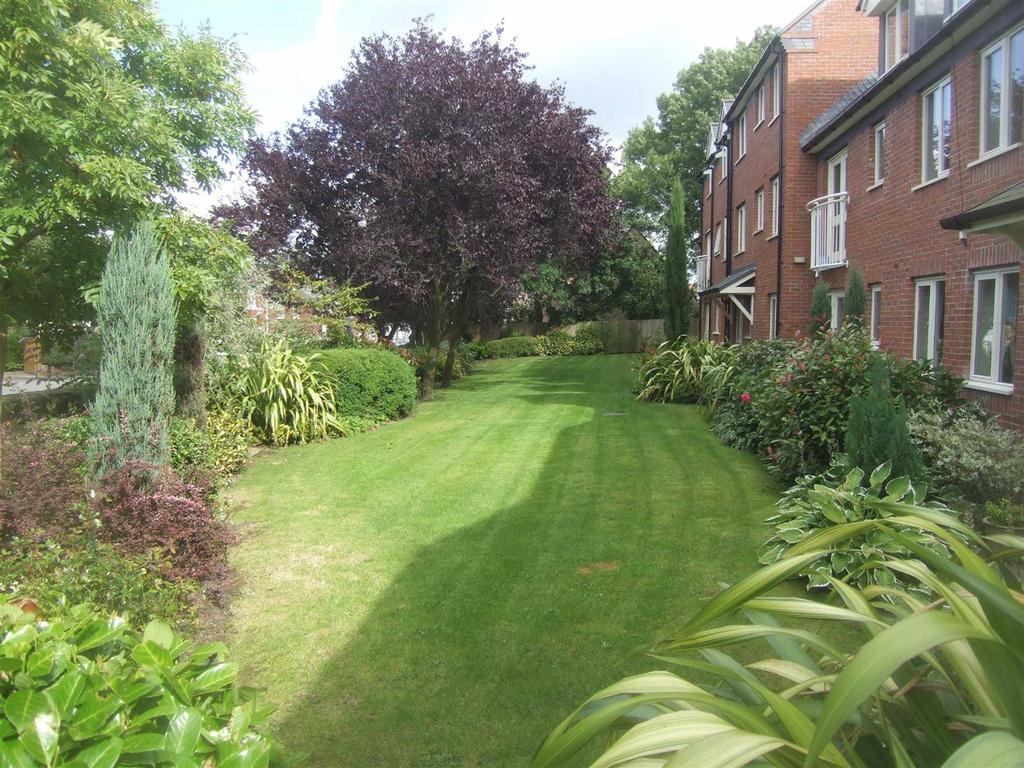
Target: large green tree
{"points": [[658, 151], [105, 114]]}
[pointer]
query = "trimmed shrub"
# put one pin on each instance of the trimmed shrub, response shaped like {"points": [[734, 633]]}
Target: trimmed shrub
{"points": [[560, 343], [92, 691], [821, 308], [140, 508], [514, 346], [80, 569], [136, 317], [370, 385], [855, 299]]}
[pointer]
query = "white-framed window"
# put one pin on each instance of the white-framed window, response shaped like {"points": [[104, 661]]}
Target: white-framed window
{"points": [[929, 317], [837, 305], [776, 90], [895, 34], [1002, 93], [952, 6], [741, 228], [707, 320], [879, 134], [759, 210], [876, 314], [741, 136], [718, 239], [773, 316], [707, 241], [936, 129], [759, 107], [994, 328], [775, 205], [723, 159]]}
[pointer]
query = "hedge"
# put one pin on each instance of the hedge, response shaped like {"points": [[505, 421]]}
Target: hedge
{"points": [[373, 385], [514, 346]]}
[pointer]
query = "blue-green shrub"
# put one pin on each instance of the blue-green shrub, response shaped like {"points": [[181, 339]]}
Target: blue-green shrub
{"points": [[370, 385]]}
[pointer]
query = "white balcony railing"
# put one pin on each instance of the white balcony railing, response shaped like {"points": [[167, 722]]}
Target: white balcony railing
{"points": [[703, 272], [828, 231]]}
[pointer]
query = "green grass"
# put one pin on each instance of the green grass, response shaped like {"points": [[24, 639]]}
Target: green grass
{"points": [[443, 591]]}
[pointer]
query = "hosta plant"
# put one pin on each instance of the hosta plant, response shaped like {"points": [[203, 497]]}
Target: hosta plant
{"points": [[932, 681], [687, 371], [284, 395], [88, 691], [818, 503]]}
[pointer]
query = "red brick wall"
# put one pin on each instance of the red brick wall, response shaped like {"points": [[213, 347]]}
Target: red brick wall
{"points": [[893, 232]]}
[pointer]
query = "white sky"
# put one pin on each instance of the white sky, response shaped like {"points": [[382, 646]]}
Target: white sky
{"points": [[614, 58]]}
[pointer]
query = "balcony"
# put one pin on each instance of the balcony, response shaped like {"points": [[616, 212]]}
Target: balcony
{"points": [[703, 271], [828, 231]]}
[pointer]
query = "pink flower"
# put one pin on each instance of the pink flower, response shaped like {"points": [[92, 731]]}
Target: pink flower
{"points": [[745, 397]]}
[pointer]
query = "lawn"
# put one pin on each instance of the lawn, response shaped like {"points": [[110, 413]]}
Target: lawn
{"points": [[441, 592]]}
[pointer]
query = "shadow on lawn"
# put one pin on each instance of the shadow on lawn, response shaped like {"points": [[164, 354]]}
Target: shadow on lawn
{"points": [[493, 634]]}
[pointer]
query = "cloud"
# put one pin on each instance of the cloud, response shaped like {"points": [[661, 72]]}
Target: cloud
{"points": [[613, 58]]}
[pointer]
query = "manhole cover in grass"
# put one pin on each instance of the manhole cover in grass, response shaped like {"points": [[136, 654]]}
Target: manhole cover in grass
{"points": [[614, 413]]}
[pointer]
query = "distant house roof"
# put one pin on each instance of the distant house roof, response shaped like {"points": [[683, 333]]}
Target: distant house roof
{"points": [[844, 102]]}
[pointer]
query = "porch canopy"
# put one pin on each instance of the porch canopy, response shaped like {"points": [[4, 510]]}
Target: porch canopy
{"points": [[739, 283], [1000, 214]]}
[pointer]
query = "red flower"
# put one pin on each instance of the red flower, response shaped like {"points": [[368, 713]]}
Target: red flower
{"points": [[745, 397]]}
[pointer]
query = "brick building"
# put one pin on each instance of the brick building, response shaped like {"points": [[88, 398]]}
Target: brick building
{"points": [[896, 150]]}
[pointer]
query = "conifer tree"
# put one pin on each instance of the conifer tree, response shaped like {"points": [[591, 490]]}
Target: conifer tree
{"points": [[136, 316], [855, 298], [679, 299], [821, 308], [877, 431]]}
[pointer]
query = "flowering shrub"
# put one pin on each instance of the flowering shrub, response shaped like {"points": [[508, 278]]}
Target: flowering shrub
{"points": [[560, 343]]}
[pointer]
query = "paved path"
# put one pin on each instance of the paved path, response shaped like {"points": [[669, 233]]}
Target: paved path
{"points": [[17, 382]]}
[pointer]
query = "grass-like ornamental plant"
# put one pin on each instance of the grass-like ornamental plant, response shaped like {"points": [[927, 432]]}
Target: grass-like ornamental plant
{"points": [[816, 504], [933, 681], [687, 371], [284, 395], [88, 691]]}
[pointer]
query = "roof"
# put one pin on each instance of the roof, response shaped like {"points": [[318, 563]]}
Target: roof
{"points": [[1008, 201], [818, 125], [856, 103], [728, 281]]}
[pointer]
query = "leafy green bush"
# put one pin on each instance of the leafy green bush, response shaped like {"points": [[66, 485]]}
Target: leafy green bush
{"points": [[980, 459], [560, 343], [15, 349], [687, 371], [370, 385], [754, 373], [514, 346], [283, 396], [932, 682], [817, 504], [1005, 512], [230, 439], [80, 569], [85, 690], [476, 350], [191, 451]]}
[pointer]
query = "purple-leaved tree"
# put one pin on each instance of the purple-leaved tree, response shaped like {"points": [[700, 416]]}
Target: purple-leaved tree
{"points": [[436, 172]]}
